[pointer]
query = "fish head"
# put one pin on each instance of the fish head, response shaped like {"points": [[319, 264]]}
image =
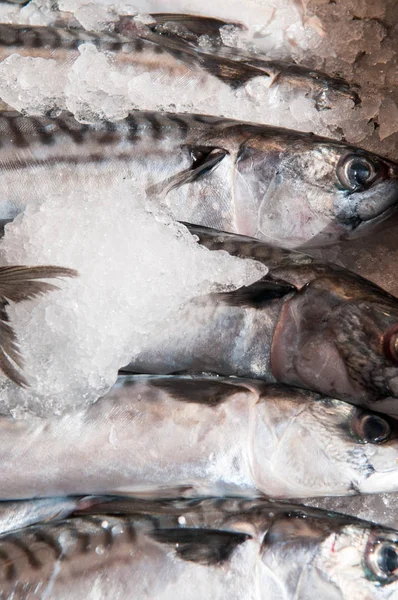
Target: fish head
{"points": [[339, 336], [331, 557], [309, 445], [299, 190]]}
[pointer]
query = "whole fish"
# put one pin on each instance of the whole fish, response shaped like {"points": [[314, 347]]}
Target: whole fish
{"points": [[223, 173], [20, 283], [308, 324], [202, 436], [143, 47], [227, 549]]}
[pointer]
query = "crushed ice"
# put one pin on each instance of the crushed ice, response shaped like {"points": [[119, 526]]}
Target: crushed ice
{"points": [[136, 268]]}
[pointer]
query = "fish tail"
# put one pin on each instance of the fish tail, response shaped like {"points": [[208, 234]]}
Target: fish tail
{"points": [[17, 284]]}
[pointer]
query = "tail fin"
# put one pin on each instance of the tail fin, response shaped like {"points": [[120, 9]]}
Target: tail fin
{"points": [[18, 284]]}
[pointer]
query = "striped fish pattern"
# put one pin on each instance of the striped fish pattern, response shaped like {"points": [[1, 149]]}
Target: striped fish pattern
{"points": [[224, 548], [233, 176]]}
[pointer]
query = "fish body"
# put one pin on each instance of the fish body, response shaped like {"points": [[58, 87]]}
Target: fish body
{"points": [[201, 435], [170, 45], [235, 176], [308, 324], [219, 548]]}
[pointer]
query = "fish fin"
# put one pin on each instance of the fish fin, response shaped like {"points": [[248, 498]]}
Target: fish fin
{"points": [[247, 247], [179, 27], [204, 161], [157, 501], [211, 392], [190, 27], [232, 72], [203, 546], [18, 284], [256, 295]]}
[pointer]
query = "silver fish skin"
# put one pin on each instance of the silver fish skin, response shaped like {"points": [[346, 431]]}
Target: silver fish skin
{"points": [[227, 549], [230, 175], [308, 324], [16, 514], [202, 435], [144, 48]]}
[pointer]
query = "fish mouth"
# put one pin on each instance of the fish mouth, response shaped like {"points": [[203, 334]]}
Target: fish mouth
{"points": [[373, 208], [378, 202]]}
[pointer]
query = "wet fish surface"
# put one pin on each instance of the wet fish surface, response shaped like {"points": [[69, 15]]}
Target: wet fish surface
{"points": [[235, 176], [308, 324], [16, 514], [219, 548], [201, 435]]}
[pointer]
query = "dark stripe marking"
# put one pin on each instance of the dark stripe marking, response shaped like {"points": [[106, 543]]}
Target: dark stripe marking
{"points": [[19, 543], [156, 126], [9, 566], [18, 137], [182, 125], [49, 540], [133, 128], [77, 135]]}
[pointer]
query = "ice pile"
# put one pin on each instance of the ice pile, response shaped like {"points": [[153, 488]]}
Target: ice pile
{"points": [[136, 270]]}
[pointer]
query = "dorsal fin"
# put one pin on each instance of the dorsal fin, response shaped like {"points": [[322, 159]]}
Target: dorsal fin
{"points": [[203, 546]]}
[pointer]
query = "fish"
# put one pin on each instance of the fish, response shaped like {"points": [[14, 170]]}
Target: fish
{"points": [[236, 65], [147, 48], [239, 177], [307, 324], [224, 548], [201, 436], [19, 283]]}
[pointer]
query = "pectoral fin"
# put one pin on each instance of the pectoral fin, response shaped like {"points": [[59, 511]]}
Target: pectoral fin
{"points": [[204, 161], [256, 295], [203, 546]]}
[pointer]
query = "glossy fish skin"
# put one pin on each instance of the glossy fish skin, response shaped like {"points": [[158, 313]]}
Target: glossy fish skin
{"points": [[16, 514], [331, 331], [219, 548], [230, 175], [202, 435]]}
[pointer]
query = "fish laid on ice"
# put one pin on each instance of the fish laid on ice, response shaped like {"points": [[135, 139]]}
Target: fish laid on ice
{"points": [[142, 47], [17, 284], [279, 185], [308, 324], [228, 549], [201, 436]]}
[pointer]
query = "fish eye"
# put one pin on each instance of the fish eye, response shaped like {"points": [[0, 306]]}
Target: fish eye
{"points": [[382, 559], [371, 429], [390, 344], [356, 172]]}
